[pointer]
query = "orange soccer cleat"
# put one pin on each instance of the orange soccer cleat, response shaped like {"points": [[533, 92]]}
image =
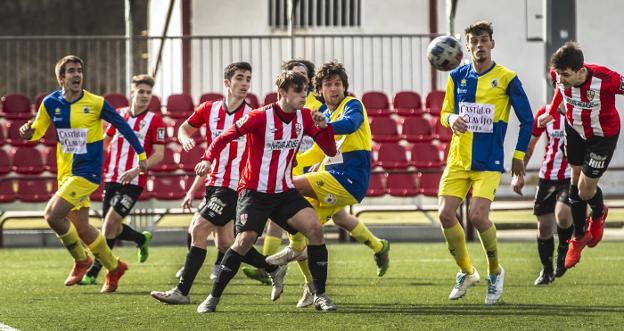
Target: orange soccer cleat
{"points": [[596, 228], [111, 281], [79, 269], [574, 252]]}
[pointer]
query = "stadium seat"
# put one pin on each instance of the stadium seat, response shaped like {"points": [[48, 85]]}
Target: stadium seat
{"points": [[402, 184], [252, 101], [425, 155], [49, 138], [416, 129], [98, 195], [155, 105], [2, 135], [179, 105], [16, 107], [28, 161], [116, 100], [173, 128], [408, 103], [392, 156], [7, 190], [444, 149], [50, 159], [168, 188], [13, 136], [211, 96], [271, 97], [34, 190], [376, 103], [189, 159], [145, 195], [429, 183], [5, 162], [39, 99], [384, 129], [376, 187], [441, 133], [433, 103], [168, 163]]}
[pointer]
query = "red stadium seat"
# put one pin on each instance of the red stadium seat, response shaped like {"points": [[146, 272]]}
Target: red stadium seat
{"points": [[168, 188], [408, 103], [212, 96], [429, 184], [392, 156], [252, 101], [39, 100], [49, 138], [7, 190], [200, 192], [16, 106], [416, 129], [174, 127], [384, 129], [189, 159], [168, 163], [2, 135], [155, 105], [50, 159], [402, 185], [35, 190], [5, 162], [116, 100], [145, 195], [441, 133], [271, 97], [179, 105], [376, 103], [98, 195], [28, 160], [425, 155], [13, 136], [376, 187], [434, 101], [444, 149]]}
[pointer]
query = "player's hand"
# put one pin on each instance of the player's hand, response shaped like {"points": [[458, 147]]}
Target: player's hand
{"points": [[143, 166], [544, 119], [188, 144], [517, 167], [187, 203], [517, 183], [201, 169], [319, 119], [458, 124], [26, 131], [129, 175]]}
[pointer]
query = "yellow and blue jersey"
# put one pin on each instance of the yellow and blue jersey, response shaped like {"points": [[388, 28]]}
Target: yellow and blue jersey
{"points": [[312, 102], [351, 166], [484, 100], [78, 124]]}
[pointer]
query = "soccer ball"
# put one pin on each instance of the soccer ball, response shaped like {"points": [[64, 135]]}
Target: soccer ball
{"points": [[444, 53]]}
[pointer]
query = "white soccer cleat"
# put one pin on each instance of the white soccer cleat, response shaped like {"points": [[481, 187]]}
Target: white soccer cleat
{"points": [[209, 305], [277, 278], [286, 255], [178, 274], [462, 282], [171, 297], [323, 303], [308, 297], [495, 287], [215, 269]]}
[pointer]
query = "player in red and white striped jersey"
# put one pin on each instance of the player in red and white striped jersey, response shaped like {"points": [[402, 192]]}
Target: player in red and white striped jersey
{"points": [[592, 129], [266, 188], [552, 207]]}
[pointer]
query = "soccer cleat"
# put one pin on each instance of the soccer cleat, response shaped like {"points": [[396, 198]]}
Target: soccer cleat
{"points": [[111, 281], [257, 274], [495, 287], [574, 251], [560, 268], [462, 282], [277, 279], [87, 280], [143, 252], [213, 273], [596, 228], [209, 305], [286, 255], [544, 278], [171, 297], [178, 274], [382, 259], [78, 271], [308, 297], [323, 303]]}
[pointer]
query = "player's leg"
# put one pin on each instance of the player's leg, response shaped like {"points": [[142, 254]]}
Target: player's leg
{"points": [[565, 229], [224, 238], [271, 244], [544, 211]]}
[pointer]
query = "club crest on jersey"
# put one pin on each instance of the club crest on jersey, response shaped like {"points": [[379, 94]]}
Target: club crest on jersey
{"points": [[86, 110], [494, 83], [590, 94], [243, 219], [57, 111], [160, 134], [141, 124], [298, 128]]}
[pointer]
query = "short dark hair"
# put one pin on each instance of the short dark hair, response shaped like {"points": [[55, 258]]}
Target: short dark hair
{"points": [[142, 79], [479, 27], [328, 70], [289, 65], [59, 69], [568, 56], [288, 79], [229, 71]]}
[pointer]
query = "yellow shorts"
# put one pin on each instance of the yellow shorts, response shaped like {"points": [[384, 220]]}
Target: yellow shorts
{"points": [[456, 182], [332, 197], [76, 190]]}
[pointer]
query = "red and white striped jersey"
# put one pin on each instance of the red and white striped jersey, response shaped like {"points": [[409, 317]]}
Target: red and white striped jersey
{"points": [[227, 166], [120, 157], [273, 138], [590, 108], [555, 164]]}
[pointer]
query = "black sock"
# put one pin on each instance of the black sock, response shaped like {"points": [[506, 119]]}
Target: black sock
{"points": [[229, 267], [317, 262], [194, 261], [564, 235], [579, 211], [254, 258], [189, 240], [219, 257], [546, 248], [597, 204], [111, 243], [130, 234]]}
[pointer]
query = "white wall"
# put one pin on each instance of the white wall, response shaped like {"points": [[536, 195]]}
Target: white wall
{"points": [[169, 77]]}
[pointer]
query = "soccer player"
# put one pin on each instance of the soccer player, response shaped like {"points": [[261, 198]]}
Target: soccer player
{"points": [[123, 181], [341, 180], [592, 130], [476, 107], [219, 207], [266, 188], [552, 207], [77, 116]]}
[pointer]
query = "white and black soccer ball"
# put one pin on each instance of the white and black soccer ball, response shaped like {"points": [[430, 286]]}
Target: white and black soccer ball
{"points": [[445, 53]]}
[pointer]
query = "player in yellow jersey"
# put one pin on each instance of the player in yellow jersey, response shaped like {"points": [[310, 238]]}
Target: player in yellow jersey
{"points": [[476, 107], [77, 117]]}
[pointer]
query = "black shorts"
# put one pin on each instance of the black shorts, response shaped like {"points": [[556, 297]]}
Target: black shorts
{"points": [[594, 154], [121, 197], [219, 205], [548, 193], [254, 208]]}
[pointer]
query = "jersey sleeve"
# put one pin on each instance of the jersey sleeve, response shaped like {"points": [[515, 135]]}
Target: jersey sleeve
{"points": [[351, 120], [244, 125], [324, 138], [111, 116], [536, 130], [448, 106], [197, 119], [158, 131], [619, 83], [522, 108], [41, 123]]}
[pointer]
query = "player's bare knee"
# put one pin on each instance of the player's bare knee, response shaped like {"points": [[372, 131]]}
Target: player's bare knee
{"points": [[586, 194], [244, 241], [447, 218]]}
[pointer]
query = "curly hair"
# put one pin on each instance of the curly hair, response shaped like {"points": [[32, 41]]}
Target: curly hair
{"points": [[327, 71]]}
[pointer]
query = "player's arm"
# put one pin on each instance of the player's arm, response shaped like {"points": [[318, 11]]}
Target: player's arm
{"points": [[34, 130], [448, 117], [111, 116], [522, 108], [322, 133], [185, 135], [351, 120], [187, 203]]}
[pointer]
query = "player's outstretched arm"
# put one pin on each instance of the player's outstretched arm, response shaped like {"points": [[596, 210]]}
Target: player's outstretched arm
{"points": [[522, 108], [111, 116]]}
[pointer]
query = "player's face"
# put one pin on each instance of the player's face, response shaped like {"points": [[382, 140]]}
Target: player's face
{"points": [[295, 97], [72, 80], [333, 90], [239, 84], [480, 46], [141, 96], [569, 77]]}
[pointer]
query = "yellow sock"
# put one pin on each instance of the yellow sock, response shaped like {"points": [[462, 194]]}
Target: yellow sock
{"points": [[298, 241], [362, 234], [100, 249], [488, 241], [271, 245], [71, 241], [305, 270], [456, 241]]}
